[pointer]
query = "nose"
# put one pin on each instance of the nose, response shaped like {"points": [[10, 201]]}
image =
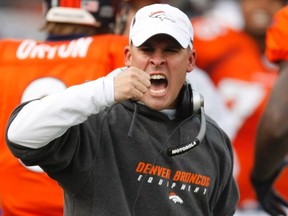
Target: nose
{"points": [[158, 58]]}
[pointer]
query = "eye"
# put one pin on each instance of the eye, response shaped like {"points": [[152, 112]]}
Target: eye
{"points": [[172, 49], [146, 49]]}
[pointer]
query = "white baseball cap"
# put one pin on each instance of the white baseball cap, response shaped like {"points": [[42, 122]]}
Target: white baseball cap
{"points": [[161, 19]]}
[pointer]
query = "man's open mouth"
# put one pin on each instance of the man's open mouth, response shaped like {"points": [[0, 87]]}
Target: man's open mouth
{"points": [[158, 84]]}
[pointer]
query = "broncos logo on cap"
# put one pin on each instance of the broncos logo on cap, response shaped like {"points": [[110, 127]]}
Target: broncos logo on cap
{"points": [[162, 16]]}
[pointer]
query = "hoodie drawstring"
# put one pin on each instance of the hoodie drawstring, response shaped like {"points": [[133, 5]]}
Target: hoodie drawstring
{"points": [[132, 125]]}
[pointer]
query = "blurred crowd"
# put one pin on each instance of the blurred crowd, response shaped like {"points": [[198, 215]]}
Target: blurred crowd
{"points": [[230, 45], [23, 19]]}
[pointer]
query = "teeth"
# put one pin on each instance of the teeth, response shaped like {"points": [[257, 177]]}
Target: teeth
{"points": [[157, 76], [157, 91]]}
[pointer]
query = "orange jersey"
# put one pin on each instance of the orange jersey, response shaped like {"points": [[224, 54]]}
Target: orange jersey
{"points": [[277, 34], [233, 61], [31, 69]]}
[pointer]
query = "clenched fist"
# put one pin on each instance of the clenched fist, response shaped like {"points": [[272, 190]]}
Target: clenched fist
{"points": [[133, 83]]}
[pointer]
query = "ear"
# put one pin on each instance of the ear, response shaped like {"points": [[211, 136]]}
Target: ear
{"points": [[127, 55], [192, 60]]}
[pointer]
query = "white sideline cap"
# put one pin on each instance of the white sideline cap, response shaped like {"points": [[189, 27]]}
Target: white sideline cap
{"points": [[161, 19]]}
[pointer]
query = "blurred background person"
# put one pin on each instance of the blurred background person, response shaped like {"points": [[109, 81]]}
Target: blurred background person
{"points": [[271, 139], [80, 46], [231, 50]]}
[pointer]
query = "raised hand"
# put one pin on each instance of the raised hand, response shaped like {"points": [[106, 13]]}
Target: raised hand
{"points": [[133, 83]]}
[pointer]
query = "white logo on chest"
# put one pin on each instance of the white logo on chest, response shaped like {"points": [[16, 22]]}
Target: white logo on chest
{"points": [[175, 198]]}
